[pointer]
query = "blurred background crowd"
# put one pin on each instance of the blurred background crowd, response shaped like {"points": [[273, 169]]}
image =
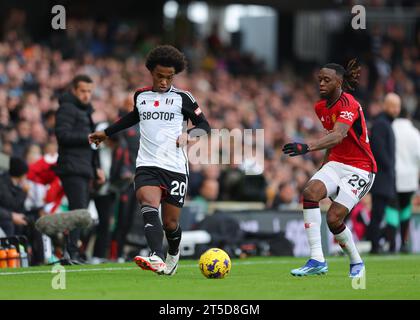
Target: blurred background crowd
{"points": [[233, 88]]}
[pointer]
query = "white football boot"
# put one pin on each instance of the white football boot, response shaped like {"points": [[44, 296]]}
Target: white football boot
{"points": [[153, 263], [171, 264]]}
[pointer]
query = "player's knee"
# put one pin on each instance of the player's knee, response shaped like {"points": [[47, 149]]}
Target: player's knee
{"points": [[169, 224], [334, 220], [310, 193], [147, 200]]}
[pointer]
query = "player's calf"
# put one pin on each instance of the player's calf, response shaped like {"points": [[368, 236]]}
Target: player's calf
{"points": [[312, 220], [153, 229], [344, 237], [174, 238]]}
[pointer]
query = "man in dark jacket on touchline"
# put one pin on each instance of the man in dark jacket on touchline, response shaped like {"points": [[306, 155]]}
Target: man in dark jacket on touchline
{"points": [[383, 148], [77, 161]]}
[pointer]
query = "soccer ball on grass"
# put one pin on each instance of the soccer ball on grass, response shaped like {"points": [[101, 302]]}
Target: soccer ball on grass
{"points": [[215, 263]]}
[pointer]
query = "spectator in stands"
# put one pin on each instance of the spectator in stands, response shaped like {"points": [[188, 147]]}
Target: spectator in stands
{"points": [[286, 197], [32, 153], [44, 197], [13, 191], [209, 191], [231, 179], [195, 180], [23, 139]]}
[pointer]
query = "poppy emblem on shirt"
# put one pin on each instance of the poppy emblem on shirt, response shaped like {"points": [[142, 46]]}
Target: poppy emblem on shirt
{"points": [[156, 104]]}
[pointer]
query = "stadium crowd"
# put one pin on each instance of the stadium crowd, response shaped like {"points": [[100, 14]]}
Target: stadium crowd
{"points": [[34, 75]]}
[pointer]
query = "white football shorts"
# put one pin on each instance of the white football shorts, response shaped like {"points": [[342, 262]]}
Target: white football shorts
{"points": [[345, 184]]}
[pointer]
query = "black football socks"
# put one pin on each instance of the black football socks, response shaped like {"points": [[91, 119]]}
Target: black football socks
{"points": [[153, 229], [174, 238]]}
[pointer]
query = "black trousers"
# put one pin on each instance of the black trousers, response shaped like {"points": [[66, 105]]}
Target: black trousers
{"points": [[105, 206], [379, 202], [76, 189], [8, 227], [34, 237], [400, 202]]}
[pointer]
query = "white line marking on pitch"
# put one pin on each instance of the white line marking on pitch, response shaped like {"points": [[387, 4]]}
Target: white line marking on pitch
{"points": [[132, 268], [196, 265]]}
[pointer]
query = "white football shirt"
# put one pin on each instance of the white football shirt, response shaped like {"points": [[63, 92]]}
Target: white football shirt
{"points": [[163, 118]]}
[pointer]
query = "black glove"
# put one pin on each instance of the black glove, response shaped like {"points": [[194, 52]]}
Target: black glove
{"points": [[295, 149]]}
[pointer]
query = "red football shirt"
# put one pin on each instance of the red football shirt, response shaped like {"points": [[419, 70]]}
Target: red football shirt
{"points": [[354, 150]]}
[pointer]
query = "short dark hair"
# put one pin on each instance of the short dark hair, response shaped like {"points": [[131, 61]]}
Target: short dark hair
{"points": [[166, 56], [17, 167], [80, 78]]}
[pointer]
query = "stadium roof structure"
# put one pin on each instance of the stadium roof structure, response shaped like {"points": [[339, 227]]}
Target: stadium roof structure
{"points": [[285, 5], [150, 12]]}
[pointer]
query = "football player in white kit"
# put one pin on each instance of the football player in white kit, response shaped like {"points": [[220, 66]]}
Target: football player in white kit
{"points": [[162, 165]]}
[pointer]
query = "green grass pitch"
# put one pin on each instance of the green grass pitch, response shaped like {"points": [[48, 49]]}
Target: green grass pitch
{"points": [[387, 277]]}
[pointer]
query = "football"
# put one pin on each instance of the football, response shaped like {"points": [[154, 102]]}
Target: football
{"points": [[215, 263]]}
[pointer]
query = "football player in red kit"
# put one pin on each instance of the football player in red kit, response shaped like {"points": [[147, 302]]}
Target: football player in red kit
{"points": [[348, 171]]}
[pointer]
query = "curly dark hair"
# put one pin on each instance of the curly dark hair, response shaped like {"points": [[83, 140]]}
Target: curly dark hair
{"points": [[350, 74], [166, 56]]}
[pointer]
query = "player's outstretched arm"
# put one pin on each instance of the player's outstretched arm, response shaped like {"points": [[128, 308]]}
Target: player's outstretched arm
{"points": [[125, 122], [330, 140], [201, 128], [333, 138]]}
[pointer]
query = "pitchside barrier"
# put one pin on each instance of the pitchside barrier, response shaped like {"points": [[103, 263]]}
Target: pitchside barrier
{"points": [[291, 223], [253, 219]]}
